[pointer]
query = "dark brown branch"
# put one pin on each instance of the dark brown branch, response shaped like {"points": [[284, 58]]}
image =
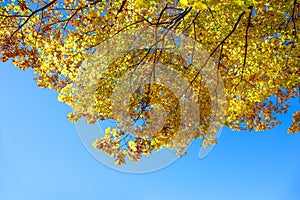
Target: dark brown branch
{"points": [[294, 28], [69, 19], [162, 12], [195, 34], [232, 31], [176, 21], [246, 47], [76, 11], [31, 15], [193, 22], [246, 37], [121, 8], [220, 44], [212, 14], [212, 53], [220, 57]]}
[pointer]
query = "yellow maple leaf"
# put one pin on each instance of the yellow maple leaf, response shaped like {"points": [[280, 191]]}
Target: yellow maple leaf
{"points": [[132, 145], [198, 5], [184, 2]]}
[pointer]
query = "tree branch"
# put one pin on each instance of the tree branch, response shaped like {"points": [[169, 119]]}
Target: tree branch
{"points": [[294, 28], [246, 37], [32, 14], [246, 47], [231, 32]]}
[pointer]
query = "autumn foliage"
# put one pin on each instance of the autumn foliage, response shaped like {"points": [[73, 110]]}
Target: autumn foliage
{"points": [[254, 44]]}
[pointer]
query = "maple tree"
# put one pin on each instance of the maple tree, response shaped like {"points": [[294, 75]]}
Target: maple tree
{"points": [[254, 45]]}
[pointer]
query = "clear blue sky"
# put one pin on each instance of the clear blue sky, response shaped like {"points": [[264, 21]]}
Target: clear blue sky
{"points": [[42, 158]]}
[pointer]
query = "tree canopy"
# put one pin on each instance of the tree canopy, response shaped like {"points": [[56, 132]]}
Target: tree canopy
{"points": [[253, 44]]}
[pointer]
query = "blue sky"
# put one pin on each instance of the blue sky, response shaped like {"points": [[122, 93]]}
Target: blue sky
{"points": [[41, 157]]}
